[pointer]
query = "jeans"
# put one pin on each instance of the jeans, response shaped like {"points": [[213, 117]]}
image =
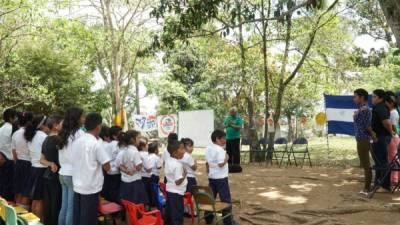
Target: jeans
{"points": [[380, 156], [65, 217]]}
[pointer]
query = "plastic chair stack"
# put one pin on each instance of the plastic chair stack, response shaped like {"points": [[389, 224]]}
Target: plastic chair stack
{"points": [[17, 215], [138, 215]]}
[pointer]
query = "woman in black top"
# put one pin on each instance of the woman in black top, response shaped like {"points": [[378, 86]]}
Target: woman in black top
{"points": [[52, 187]]}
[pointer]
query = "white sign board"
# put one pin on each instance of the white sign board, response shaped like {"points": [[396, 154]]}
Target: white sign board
{"points": [[197, 125], [167, 124]]}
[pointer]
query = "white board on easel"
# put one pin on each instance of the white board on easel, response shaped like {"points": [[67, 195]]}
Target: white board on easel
{"points": [[197, 125]]}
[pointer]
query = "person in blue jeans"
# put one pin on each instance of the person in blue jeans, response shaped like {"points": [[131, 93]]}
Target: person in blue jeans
{"points": [[382, 133], [70, 132]]}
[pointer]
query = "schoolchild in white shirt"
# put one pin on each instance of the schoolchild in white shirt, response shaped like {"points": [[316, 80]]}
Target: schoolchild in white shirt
{"points": [[189, 163], [155, 162], [35, 134], [89, 160], [130, 164], [166, 156], [176, 185], [155, 165], [22, 161], [146, 168], [217, 169], [9, 117], [112, 179]]}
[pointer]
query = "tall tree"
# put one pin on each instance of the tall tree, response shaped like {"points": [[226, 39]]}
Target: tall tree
{"points": [[391, 10]]}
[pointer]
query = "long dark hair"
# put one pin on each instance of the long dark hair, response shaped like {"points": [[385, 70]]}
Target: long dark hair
{"points": [[125, 138], [71, 124], [24, 118], [32, 127]]}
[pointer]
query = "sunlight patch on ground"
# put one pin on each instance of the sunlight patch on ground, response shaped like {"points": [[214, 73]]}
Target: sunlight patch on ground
{"points": [[276, 195], [348, 171], [305, 187], [345, 182], [396, 198]]}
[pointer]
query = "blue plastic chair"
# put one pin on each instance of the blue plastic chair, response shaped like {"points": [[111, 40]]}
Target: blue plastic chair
{"points": [[160, 198]]}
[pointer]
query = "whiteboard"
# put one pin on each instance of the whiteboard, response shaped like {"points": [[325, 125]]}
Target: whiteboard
{"points": [[197, 125]]}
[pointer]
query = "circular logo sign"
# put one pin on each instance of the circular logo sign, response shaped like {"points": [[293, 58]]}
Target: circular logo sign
{"points": [[168, 124]]}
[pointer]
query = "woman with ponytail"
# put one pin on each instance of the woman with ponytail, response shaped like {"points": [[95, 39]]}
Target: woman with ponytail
{"points": [[70, 132], [22, 160], [35, 134]]}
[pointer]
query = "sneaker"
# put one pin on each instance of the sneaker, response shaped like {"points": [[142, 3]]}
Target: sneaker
{"points": [[363, 194]]}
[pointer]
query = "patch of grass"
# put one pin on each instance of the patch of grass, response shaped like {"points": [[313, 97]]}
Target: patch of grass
{"points": [[342, 152]]}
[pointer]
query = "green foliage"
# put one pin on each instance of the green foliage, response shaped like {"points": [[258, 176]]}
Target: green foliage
{"points": [[44, 80]]}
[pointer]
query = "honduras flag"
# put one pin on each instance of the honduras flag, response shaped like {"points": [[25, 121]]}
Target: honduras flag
{"points": [[339, 113]]}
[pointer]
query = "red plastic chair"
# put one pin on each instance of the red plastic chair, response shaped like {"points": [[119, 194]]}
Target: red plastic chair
{"points": [[108, 209], [163, 188], [138, 215], [187, 199]]}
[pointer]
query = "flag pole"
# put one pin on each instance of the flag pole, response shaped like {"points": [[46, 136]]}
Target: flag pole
{"points": [[327, 130]]}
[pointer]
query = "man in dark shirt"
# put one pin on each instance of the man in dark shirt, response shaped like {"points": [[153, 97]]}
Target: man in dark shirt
{"points": [[383, 131]]}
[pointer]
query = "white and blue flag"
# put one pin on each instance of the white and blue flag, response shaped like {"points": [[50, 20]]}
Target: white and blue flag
{"points": [[339, 112]]}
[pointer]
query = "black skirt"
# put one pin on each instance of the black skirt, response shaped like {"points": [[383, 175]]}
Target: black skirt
{"points": [[22, 176], [134, 192], [36, 183], [191, 183], [111, 185]]}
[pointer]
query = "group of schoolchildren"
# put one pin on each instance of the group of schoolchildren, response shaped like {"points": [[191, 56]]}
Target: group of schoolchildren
{"points": [[58, 167]]}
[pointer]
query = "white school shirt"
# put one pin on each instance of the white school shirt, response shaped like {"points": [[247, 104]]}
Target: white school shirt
{"points": [[64, 155], [112, 150], [5, 140], [130, 158], [165, 155], [35, 148], [19, 143], [155, 163], [394, 117], [88, 156], [173, 172], [188, 161], [214, 155], [144, 156]]}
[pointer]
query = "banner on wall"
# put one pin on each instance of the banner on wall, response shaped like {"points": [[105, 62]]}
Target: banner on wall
{"points": [[167, 124], [145, 123]]}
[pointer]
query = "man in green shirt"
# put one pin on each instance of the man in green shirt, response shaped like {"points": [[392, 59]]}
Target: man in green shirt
{"points": [[233, 124]]}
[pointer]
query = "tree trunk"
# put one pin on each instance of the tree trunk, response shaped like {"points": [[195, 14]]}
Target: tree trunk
{"points": [[281, 85], [391, 10], [290, 127], [252, 132], [137, 100], [265, 66]]}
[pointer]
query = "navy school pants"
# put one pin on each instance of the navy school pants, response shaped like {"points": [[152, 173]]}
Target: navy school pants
{"points": [[220, 187], [85, 209], [174, 210]]}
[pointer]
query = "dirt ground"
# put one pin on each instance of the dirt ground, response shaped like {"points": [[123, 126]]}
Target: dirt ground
{"points": [[271, 195]]}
